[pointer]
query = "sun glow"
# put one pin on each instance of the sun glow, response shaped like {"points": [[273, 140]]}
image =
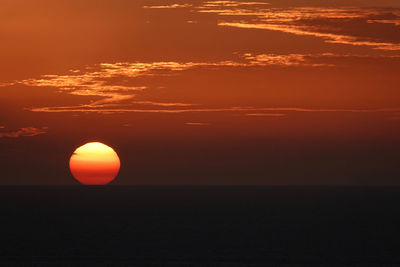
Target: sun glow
{"points": [[94, 164]]}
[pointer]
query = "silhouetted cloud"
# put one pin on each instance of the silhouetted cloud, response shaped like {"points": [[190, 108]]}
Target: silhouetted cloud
{"points": [[26, 131]]}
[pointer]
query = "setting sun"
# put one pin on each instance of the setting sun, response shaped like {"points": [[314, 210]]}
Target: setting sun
{"points": [[94, 164]]}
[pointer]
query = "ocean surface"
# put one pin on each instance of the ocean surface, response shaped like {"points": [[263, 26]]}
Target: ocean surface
{"points": [[199, 226]]}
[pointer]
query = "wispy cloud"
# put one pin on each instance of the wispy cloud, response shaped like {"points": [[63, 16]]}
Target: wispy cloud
{"points": [[162, 104], [197, 123], [210, 4], [377, 28], [232, 3], [342, 25], [395, 22], [284, 60], [26, 131], [266, 114], [328, 37], [110, 86], [247, 110], [169, 6]]}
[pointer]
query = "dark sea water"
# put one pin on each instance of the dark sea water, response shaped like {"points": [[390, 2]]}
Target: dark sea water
{"points": [[199, 226]]}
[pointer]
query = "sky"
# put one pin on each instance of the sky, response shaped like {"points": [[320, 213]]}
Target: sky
{"points": [[279, 92]]}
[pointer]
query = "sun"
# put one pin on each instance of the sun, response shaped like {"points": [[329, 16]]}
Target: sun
{"points": [[94, 164]]}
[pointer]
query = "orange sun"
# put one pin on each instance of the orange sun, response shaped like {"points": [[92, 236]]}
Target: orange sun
{"points": [[94, 164]]}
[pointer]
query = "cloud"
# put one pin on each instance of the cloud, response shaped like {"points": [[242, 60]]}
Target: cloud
{"points": [[207, 4], [111, 82], [169, 6], [284, 60], [162, 104], [102, 79], [232, 3], [378, 28], [112, 87], [395, 22], [95, 82], [197, 123], [266, 114], [247, 110], [26, 131], [373, 27], [328, 37]]}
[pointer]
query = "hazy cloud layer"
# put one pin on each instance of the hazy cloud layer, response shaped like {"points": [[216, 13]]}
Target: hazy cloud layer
{"points": [[26, 131]]}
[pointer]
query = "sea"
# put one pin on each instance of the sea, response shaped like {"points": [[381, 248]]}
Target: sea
{"points": [[199, 226]]}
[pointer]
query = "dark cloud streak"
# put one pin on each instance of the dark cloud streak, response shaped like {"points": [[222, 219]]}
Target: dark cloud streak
{"points": [[25, 131]]}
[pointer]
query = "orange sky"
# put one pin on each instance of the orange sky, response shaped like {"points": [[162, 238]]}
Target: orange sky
{"points": [[202, 92]]}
